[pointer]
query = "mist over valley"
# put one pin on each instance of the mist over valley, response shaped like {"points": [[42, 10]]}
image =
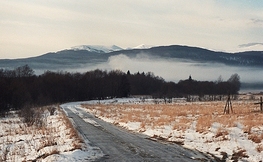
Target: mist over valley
{"points": [[173, 63]]}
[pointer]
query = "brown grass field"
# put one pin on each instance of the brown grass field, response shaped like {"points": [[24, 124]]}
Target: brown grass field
{"points": [[196, 125], [181, 115]]}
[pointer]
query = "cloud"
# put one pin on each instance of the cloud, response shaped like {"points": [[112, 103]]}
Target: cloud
{"points": [[54, 25], [249, 45], [257, 21]]}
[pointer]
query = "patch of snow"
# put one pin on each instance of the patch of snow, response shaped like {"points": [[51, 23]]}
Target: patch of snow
{"points": [[91, 122], [141, 46], [131, 125], [54, 142], [97, 48], [89, 154]]}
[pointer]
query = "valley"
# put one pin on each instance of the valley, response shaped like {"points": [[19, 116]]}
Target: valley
{"points": [[173, 62]]}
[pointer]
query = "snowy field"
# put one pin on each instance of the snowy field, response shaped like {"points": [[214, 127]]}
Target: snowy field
{"points": [[51, 137], [196, 125]]}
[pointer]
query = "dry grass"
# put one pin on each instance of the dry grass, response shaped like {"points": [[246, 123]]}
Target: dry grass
{"points": [[203, 123], [239, 155], [259, 148], [182, 124], [182, 115], [255, 138], [72, 132], [53, 132], [222, 134]]}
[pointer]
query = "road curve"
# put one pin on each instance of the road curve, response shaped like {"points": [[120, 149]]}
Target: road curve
{"points": [[119, 144]]}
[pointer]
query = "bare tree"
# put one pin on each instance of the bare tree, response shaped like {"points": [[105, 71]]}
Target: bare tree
{"points": [[234, 80]]}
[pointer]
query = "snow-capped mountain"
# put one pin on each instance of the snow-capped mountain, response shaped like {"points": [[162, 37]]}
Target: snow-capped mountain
{"points": [[106, 49], [98, 55], [141, 46], [97, 48]]}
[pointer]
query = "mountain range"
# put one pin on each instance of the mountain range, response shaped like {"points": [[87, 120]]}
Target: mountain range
{"points": [[92, 55]]}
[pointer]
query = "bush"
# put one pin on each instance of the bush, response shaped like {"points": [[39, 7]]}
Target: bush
{"points": [[28, 115], [51, 109], [32, 116]]}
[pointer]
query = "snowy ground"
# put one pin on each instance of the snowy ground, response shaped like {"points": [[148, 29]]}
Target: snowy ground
{"points": [[196, 125], [55, 140]]}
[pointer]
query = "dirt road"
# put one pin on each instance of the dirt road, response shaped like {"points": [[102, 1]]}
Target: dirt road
{"points": [[119, 144]]}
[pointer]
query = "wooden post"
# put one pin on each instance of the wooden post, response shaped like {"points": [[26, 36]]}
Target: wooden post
{"points": [[261, 104], [228, 105]]}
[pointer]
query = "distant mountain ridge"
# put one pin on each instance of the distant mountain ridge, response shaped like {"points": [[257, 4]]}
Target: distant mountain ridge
{"points": [[107, 49], [249, 58], [93, 55]]}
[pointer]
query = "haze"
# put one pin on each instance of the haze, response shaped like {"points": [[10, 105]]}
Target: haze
{"points": [[175, 69]]}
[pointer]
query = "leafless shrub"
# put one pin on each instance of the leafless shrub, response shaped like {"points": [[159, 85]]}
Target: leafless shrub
{"points": [[255, 138], [259, 148], [225, 155], [156, 101], [50, 141], [251, 97], [28, 114], [239, 155], [43, 156], [221, 133], [77, 145], [32, 116], [247, 129], [142, 127], [4, 153], [54, 151], [178, 142], [158, 137], [39, 119], [51, 109]]}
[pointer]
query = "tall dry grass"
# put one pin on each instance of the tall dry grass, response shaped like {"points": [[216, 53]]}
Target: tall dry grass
{"points": [[182, 115]]}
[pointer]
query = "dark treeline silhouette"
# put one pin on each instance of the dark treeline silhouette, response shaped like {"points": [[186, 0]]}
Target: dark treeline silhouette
{"points": [[21, 87]]}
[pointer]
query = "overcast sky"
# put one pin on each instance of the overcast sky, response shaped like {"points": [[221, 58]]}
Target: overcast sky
{"points": [[34, 27]]}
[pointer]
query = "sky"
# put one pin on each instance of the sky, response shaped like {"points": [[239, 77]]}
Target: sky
{"points": [[34, 27]]}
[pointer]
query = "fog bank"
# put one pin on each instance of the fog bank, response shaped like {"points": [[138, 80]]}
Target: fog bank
{"points": [[178, 69]]}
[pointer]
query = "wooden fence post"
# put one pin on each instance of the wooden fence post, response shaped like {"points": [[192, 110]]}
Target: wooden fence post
{"points": [[228, 105], [260, 103]]}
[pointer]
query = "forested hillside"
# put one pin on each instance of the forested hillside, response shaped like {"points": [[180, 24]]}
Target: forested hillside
{"points": [[21, 87]]}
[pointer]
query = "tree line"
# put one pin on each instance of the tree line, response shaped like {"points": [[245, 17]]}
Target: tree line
{"points": [[20, 87]]}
